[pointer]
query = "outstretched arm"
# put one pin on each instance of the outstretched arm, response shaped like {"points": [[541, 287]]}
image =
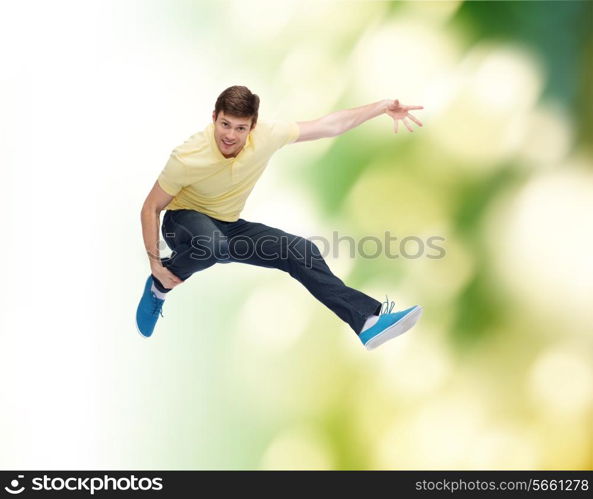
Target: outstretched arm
{"points": [[339, 122]]}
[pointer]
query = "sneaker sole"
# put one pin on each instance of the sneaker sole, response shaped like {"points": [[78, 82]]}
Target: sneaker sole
{"points": [[396, 329]]}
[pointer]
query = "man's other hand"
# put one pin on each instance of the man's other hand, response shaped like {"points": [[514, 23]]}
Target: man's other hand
{"points": [[165, 276]]}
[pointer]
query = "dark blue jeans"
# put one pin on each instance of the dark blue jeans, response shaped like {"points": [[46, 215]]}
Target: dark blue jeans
{"points": [[198, 241]]}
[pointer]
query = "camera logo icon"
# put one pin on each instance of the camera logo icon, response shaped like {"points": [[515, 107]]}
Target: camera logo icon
{"points": [[13, 485]]}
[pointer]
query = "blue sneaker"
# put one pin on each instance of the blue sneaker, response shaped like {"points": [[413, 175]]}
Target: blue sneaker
{"points": [[389, 325], [148, 310]]}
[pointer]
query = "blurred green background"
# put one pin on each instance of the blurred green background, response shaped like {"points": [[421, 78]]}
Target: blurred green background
{"points": [[246, 370]]}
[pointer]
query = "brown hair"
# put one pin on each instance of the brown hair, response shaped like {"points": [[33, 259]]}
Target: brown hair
{"points": [[238, 101]]}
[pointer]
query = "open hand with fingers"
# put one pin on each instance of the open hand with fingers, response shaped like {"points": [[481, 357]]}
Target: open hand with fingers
{"points": [[401, 112]]}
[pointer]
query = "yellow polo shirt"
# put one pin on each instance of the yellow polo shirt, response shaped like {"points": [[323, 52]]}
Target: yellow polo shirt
{"points": [[202, 179]]}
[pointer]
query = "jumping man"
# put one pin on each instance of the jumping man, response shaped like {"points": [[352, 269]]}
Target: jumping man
{"points": [[203, 188]]}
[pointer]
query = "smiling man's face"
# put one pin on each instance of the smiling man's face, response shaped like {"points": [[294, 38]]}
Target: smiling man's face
{"points": [[230, 133]]}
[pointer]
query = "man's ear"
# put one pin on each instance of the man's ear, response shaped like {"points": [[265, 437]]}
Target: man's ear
{"points": [[213, 115]]}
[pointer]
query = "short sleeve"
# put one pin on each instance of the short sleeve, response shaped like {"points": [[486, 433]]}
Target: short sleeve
{"points": [[173, 177], [284, 132]]}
